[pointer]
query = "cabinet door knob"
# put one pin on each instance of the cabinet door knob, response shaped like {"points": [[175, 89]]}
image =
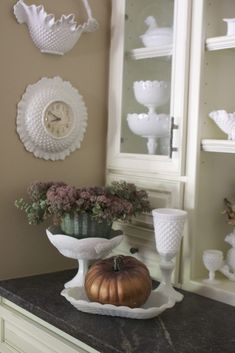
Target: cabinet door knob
{"points": [[134, 250]]}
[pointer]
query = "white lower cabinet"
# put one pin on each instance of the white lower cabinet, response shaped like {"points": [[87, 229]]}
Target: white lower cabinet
{"points": [[22, 332]]}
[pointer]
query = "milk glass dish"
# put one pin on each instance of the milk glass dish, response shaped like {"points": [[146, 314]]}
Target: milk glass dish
{"points": [[83, 250], [150, 126], [225, 121], [156, 36], [152, 94], [213, 261]]}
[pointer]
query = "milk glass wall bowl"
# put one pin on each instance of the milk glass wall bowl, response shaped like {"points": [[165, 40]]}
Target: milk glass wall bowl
{"points": [[152, 94]]}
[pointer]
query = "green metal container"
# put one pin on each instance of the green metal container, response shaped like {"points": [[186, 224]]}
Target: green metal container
{"points": [[84, 226]]}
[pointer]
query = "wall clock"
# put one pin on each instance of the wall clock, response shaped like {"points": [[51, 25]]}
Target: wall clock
{"points": [[51, 118]]}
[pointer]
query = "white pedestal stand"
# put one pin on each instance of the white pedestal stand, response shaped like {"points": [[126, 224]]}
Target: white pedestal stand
{"points": [[165, 287], [83, 250]]}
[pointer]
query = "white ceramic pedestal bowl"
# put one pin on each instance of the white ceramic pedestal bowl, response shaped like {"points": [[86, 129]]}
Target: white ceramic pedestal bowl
{"points": [[152, 94], [150, 126], [82, 250]]}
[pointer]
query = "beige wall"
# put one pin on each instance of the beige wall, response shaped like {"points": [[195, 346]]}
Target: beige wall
{"points": [[24, 249]]}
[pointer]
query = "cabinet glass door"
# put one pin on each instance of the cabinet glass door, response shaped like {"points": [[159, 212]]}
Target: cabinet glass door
{"points": [[148, 85], [146, 91]]}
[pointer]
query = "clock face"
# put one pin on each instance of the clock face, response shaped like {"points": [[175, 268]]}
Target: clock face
{"points": [[58, 119]]}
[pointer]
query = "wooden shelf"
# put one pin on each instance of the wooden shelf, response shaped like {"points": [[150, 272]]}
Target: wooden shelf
{"points": [[223, 146], [224, 291], [153, 52], [220, 43]]}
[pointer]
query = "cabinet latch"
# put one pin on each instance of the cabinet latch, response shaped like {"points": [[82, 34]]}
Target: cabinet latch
{"points": [[173, 127]]}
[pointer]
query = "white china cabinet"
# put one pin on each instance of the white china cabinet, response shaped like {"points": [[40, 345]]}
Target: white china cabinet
{"points": [[160, 58], [199, 171], [210, 155]]}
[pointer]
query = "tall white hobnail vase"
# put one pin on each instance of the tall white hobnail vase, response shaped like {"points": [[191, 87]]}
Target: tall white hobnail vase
{"points": [[168, 229]]}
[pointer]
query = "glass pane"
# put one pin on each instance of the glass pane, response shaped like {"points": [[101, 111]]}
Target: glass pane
{"points": [[146, 81]]}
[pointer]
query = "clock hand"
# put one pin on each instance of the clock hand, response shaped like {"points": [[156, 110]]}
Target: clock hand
{"points": [[57, 118]]}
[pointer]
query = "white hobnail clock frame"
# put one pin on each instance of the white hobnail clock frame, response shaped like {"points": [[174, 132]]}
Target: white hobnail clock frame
{"points": [[30, 113]]}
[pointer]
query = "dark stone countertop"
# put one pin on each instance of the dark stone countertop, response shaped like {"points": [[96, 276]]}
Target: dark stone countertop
{"points": [[196, 325]]}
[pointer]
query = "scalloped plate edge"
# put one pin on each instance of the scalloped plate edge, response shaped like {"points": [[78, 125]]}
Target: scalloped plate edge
{"points": [[86, 306]]}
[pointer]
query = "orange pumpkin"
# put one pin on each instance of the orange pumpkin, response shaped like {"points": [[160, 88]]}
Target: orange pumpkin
{"points": [[118, 280]]}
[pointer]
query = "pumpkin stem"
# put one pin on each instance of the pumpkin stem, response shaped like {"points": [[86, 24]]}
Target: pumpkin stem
{"points": [[117, 261]]}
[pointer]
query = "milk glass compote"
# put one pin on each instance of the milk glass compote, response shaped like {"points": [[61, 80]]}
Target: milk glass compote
{"points": [[152, 94], [213, 261], [168, 228]]}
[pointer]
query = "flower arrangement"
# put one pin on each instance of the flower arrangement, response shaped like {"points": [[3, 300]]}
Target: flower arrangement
{"points": [[229, 211], [119, 201]]}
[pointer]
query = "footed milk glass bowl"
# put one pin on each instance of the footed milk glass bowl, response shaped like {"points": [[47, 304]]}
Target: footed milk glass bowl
{"points": [[146, 125], [150, 126], [152, 94], [83, 250]]}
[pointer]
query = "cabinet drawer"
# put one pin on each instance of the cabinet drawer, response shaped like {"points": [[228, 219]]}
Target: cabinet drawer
{"points": [[21, 334]]}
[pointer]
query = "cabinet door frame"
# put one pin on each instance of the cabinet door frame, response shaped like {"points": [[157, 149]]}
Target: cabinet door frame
{"points": [[143, 163], [199, 236]]}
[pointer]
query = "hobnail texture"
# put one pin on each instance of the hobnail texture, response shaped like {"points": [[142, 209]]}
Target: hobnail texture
{"points": [[168, 227], [225, 121], [49, 35], [152, 93], [146, 125], [29, 118]]}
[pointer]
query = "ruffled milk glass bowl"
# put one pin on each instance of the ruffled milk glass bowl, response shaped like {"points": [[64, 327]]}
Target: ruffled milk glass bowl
{"points": [[150, 126], [152, 94]]}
